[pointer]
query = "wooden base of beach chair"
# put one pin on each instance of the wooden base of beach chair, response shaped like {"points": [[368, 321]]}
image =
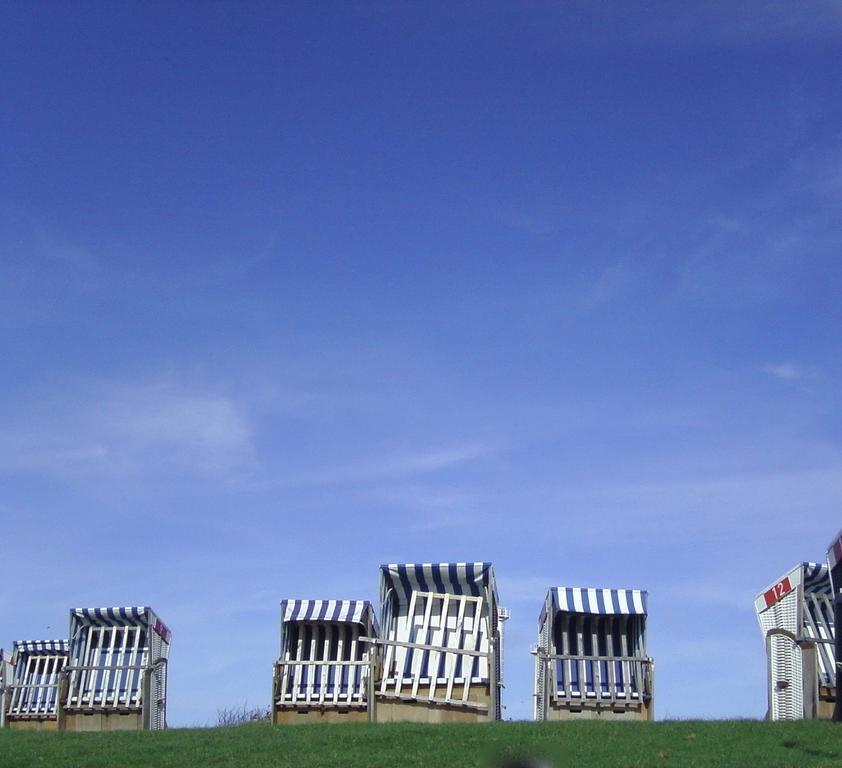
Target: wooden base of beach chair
{"points": [[392, 709], [102, 721], [593, 710], [292, 716], [32, 724], [827, 702]]}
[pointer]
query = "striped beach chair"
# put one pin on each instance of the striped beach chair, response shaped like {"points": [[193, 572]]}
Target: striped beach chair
{"points": [[116, 677], [591, 660], [441, 643], [324, 668], [31, 686], [795, 615]]}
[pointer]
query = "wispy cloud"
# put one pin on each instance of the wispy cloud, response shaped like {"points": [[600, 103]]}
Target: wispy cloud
{"points": [[772, 241], [741, 23], [398, 466], [129, 429], [728, 509], [429, 504], [784, 371]]}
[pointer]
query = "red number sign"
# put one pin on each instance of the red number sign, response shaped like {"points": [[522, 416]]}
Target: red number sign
{"points": [[781, 589], [162, 630]]}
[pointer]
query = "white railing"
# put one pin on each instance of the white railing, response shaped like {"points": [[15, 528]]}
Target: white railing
{"points": [[321, 682], [105, 686], [37, 694], [444, 649], [110, 673], [604, 679], [437, 689]]}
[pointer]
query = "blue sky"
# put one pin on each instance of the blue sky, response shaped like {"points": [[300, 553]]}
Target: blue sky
{"points": [[293, 289]]}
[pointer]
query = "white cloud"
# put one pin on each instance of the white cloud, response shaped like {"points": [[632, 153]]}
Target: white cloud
{"points": [[744, 23], [157, 427], [391, 467], [767, 508], [784, 371], [183, 424]]}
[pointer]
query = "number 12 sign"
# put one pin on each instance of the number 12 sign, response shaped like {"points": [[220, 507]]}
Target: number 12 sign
{"points": [[780, 590]]}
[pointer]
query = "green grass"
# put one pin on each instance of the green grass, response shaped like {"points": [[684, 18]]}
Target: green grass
{"points": [[580, 745]]}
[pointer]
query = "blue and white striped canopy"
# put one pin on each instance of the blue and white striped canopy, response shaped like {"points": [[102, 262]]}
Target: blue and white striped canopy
{"points": [[40, 646], [443, 578], [340, 611], [816, 578], [623, 602], [112, 617]]}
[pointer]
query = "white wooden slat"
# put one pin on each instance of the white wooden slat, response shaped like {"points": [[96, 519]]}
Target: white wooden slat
{"points": [[327, 670], [389, 669], [34, 695], [439, 640], [28, 694], [611, 672], [123, 685], [92, 677], [82, 681], [38, 695], [451, 663], [467, 661], [404, 653], [110, 639], [426, 608], [133, 644], [120, 672], [581, 674], [337, 650], [60, 662], [105, 641], [353, 683], [628, 671], [296, 685], [311, 668], [321, 653], [50, 667]]}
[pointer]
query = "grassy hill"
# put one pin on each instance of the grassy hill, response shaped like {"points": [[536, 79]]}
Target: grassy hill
{"points": [[583, 745]]}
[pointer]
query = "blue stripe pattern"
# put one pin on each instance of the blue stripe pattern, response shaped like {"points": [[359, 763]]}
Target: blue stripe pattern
{"points": [[817, 578], [339, 611], [444, 578], [398, 582], [605, 602], [57, 647], [112, 617]]}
